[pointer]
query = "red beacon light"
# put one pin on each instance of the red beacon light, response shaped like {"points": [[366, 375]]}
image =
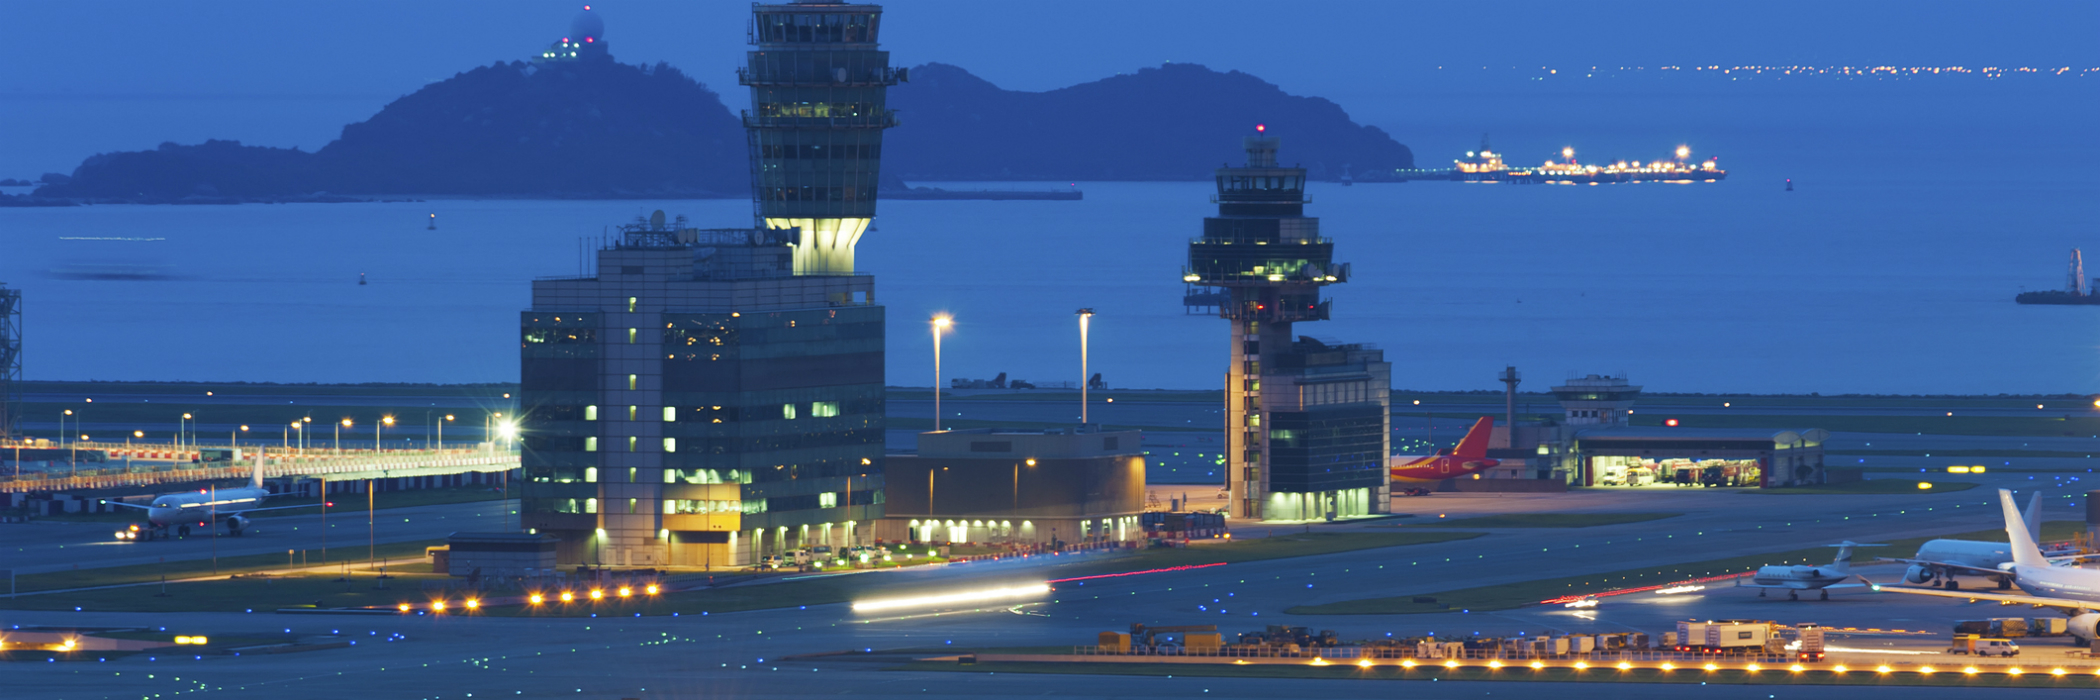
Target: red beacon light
{"points": [[590, 39], [1672, 422], [1261, 127]]}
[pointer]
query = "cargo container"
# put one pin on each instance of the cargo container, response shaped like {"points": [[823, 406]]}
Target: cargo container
{"points": [[1115, 641]]}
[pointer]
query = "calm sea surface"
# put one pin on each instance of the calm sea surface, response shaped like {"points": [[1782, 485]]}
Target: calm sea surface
{"points": [[1890, 269]]}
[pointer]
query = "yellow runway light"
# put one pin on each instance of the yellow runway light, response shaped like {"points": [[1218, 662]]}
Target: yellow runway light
{"points": [[1668, 666], [438, 606], [538, 599], [568, 597], [1494, 664], [1366, 663], [626, 591], [1410, 663], [988, 594], [1536, 665], [2014, 671], [404, 607], [473, 604], [1795, 668], [1971, 670], [651, 590], [597, 594], [1580, 665], [1840, 668], [1451, 664], [1623, 666], [2056, 672], [1753, 668]]}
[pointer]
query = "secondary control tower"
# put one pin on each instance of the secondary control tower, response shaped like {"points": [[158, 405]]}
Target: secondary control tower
{"points": [[1306, 424], [818, 107]]}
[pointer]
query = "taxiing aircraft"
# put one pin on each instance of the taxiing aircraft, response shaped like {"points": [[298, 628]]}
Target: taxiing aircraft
{"points": [[1469, 457], [2071, 590], [177, 511], [1797, 578]]}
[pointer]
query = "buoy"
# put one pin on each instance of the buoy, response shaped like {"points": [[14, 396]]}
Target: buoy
{"points": [[360, 278], [1790, 184], [433, 222]]}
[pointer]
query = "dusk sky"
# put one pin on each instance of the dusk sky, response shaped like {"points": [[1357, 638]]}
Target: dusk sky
{"points": [[306, 68]]}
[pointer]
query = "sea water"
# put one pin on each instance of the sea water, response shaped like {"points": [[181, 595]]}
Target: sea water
{"points": [[1889, 269]]}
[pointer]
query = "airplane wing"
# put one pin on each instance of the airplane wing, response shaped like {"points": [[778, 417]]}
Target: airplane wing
{"points": [[1976, 596], [1801, 588], [126, 505], [258, 510], [1978, 570]]}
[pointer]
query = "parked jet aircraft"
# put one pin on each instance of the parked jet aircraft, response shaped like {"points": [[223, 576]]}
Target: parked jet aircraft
{"points": [[1469, 457], [1939, 560], [2071, 590]]}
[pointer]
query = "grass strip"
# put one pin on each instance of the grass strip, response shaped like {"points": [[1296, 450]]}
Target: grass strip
{"points": [[1428, 672], [1868, 487], [1514, 595], [1545, 520], [402, 553]]}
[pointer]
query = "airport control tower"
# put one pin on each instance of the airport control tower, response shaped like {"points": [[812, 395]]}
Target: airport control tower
{"points": [[1306, 431], [818, 107], [10, 361]]}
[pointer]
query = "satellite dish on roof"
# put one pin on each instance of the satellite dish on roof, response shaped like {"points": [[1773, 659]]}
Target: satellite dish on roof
{"points": [[587, 26]]}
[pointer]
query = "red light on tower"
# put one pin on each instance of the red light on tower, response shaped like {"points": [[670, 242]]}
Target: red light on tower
{"points": [[1261, 127], [1670, 422], [590, 40]]}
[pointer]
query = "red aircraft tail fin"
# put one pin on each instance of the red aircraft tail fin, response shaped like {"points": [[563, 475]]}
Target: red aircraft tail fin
{"points": [[1475, 443]]}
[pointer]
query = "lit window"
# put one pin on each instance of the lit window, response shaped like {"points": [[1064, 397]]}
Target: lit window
{"points": [[670, 475], [670, 414], [630, 307], [590, 444], [632, 503], [630, 336], [633, 411], [787, 410], [590, 505], [824, 409], [632, 441], [590, 474], [670, 444], [631, 382], [590, 413]]}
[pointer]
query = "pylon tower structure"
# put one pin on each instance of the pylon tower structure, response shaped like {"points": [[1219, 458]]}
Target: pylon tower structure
{"points": [[1306, 423]]}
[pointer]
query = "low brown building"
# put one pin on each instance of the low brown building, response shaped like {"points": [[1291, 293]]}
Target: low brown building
{"points": [[994, 486]]}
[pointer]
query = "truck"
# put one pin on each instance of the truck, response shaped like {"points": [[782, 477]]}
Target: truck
{"points": [[1983, 646], [1726, 636]]}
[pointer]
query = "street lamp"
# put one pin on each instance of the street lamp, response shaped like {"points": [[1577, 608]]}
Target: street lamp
{"points": [[235, 437], [345, 423], [940, 323], [181, 431], [441, 432], [1085, 315], [301, 429], [302, 433], [387, 421]]}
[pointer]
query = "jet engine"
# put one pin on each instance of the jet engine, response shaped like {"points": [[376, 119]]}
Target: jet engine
{"points": [[1917, 573], [236, 523], [2081, 627]]}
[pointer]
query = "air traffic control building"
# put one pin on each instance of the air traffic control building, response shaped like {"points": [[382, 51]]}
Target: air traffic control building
{"points": [[708, 397], [1307, 428]]}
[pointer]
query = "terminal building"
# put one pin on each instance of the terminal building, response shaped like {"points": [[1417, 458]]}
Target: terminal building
{"points": [[708, 397], [1307, 430], [1032, 487]]}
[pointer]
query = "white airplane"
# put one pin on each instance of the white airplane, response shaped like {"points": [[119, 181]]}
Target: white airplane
{"points": [[178, 511], [1797, 578], [2071, 590], [1939, 560]]}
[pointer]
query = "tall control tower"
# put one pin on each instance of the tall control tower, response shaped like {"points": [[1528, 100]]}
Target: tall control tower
{"points": [[1306, 424], [818, 107], [10, 361]]}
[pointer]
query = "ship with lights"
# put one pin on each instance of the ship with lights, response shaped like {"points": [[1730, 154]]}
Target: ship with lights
{"points": [[1485, 165]]}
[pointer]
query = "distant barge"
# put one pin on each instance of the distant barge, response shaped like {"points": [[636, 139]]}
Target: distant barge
{"points": [[1485, 165], [2076, 292]]}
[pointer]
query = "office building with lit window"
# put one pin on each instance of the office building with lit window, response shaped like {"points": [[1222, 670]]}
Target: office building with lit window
{"points": [[709, 397], [1307, 429]]}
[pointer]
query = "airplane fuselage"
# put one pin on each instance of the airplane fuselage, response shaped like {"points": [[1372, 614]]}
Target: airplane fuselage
{"points": [[203, 507], [1407, 469], [1805, 578]]}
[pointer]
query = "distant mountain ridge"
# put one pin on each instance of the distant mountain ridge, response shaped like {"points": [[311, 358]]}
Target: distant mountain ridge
{"points": [[1173, 122], [602, 129]]}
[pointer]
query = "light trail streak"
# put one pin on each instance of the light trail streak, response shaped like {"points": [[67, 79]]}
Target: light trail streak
{"points": [[949, 598], [1188, 567]]}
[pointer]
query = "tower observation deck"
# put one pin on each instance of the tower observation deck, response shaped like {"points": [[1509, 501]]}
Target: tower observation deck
{"points": [[1306, 421], [818, 107]]}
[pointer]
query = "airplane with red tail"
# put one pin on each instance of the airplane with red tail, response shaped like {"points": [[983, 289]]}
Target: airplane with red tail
{"points": [[1469, 457]]}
